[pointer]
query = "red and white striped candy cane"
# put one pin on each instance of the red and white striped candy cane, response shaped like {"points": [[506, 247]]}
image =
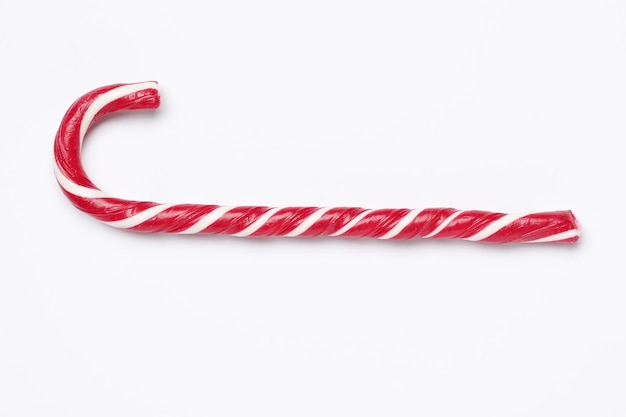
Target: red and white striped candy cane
{"points": [[260, 221]]}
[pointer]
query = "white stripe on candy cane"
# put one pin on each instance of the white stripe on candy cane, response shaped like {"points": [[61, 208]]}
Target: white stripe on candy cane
{"points": [[559, 236], [258, 223], [207, 220], [140, 217], [352, 223], [495, 226], [444, 223], [404, 222], [73, 188], [308, 222]]}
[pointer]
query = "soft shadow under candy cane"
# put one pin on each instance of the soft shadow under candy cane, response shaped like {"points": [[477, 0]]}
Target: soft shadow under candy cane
{"points": [[262, 221]]}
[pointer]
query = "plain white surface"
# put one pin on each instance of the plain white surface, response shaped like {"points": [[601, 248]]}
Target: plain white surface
{"points": [[496, 105]]}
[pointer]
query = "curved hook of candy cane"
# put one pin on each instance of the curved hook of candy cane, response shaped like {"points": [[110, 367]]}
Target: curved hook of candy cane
{"points": [[261, 221]]}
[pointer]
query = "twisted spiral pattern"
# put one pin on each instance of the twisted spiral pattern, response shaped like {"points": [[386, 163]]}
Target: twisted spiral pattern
{"points": [[261, 221]]}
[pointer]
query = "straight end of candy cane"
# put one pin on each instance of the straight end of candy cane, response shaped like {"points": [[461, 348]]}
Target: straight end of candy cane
{"points": [[577, 228], [564, 227]]}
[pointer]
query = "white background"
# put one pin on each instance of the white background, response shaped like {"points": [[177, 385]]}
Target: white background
{"points": [[498, 105]]}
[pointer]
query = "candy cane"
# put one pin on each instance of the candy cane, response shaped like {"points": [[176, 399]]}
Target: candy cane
{"points": [[261, 221]]}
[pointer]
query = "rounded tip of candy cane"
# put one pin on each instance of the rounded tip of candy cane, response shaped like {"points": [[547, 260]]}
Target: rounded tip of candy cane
{"points": [[143, 95]]}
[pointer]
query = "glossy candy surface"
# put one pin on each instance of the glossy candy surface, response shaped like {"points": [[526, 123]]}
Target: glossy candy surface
{"points": [[261, 221]]}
